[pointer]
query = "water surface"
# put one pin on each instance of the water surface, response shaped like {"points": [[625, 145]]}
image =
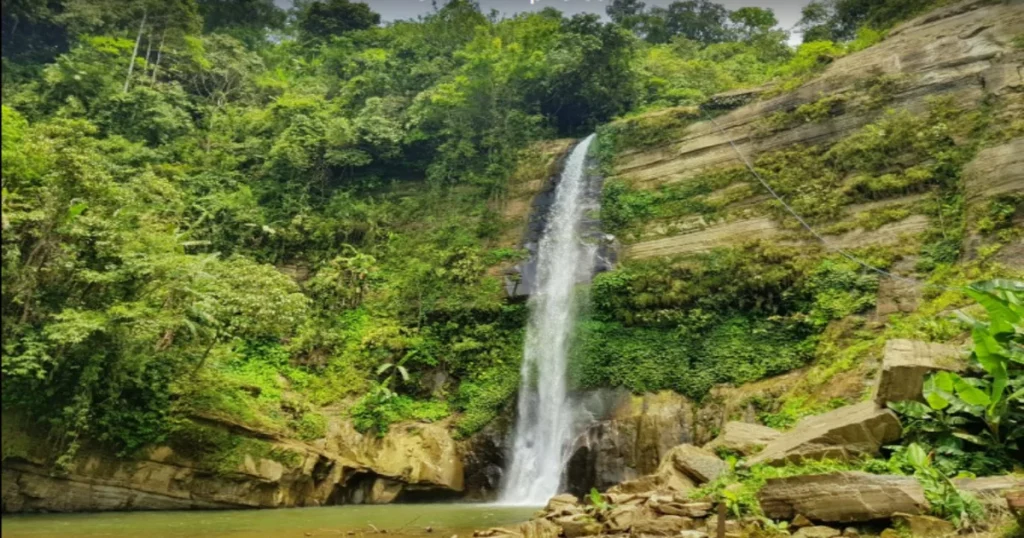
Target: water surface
{"points": [[357, 521]]}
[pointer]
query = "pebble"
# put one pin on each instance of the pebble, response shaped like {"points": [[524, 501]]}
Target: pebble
{"points": [[429, 529]]}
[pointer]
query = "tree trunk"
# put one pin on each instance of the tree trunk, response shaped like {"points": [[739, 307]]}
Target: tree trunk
{"points": [[159, 54], [135, 52]]}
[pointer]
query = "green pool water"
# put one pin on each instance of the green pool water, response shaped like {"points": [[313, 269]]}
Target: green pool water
{"points": [[358, 521]]}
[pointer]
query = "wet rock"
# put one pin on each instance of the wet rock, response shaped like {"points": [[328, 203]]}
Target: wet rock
{"points": [[743, 438], [842, 497], [906, 363], [850, 532], [629, 439], [848, 432], [921, 526], [560, 502], [817, 532], [384, 491], [663, 526]]}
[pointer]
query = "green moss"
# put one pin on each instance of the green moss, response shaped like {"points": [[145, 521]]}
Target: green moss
{"points": [[218, 450], [650, 130], [738, 488], [626, 210], [311, 426], [819, 110]]}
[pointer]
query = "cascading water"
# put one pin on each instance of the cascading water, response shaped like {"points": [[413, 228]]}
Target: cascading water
{"points": [[544, 426]]}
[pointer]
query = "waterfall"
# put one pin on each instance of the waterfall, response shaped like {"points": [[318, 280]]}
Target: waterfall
{"points": [[544, 425]]}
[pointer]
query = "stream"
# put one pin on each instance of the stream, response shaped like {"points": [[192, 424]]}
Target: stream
{"points": [[358, 521]]}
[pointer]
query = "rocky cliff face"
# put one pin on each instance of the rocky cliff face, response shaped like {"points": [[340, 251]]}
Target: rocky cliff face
{"points": [[964, 52], [346, 467]]}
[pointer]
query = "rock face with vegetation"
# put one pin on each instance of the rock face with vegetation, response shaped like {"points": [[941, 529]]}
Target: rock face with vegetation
{"points": [[346, 468], [270, 261]]}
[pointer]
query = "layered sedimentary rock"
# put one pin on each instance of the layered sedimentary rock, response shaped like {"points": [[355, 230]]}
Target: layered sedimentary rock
{"points": [[346, 467], [963, 51], [629, 438], [842, 497], [905, 364], [845, 433]]}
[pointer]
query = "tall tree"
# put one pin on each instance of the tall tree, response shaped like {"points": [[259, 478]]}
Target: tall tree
{"points": [[247, 20], [320, 20]]}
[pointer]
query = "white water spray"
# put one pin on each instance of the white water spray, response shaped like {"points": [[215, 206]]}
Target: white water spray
{"points": [[544, 426]]}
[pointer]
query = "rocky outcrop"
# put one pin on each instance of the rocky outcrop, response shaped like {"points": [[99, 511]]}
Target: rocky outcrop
{"points": [[743, 438], [682, 468], [346, 467], [163, 480], [845, 433], [995, 171], [920, 526], [990, 490], [963, 52], [419, 456], [699, 465], [906, 363], [960, 51], [628, 438], [842, 497]]}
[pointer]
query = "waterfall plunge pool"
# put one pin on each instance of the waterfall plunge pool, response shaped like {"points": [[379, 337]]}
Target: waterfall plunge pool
{"points": [[357, 521]]}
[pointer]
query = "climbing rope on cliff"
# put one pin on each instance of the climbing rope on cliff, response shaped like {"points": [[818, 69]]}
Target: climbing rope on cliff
{"points": [[808, 227]]}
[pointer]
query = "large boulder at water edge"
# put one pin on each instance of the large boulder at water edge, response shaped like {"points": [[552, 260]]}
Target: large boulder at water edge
{"points": [[848, 432], [743, 438], [842, 497], [906, 363], [682, 468]]}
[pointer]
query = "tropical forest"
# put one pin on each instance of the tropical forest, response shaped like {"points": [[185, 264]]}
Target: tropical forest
{"points": [[510, 269]]}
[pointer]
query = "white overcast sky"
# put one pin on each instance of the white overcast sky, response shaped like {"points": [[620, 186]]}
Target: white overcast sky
{"points": [[787, 11]]}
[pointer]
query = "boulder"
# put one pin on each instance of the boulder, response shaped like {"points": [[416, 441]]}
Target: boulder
{"points": [[906, 363], [537, 528], [662, 526], [801, 521], [694, 510], [842, 497], [692, 534], [682, 468], [1015, 502], [576, 526], [743, 438], [848, 432], [925, 526], [700, 465], [990, 490], [628, 439], [620, 518], [560, 501], [384, 491], [850, 532], [817, 532]]}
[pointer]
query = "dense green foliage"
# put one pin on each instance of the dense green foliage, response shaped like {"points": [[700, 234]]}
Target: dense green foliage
{"points": [[729, 316], [219, 211], [974, 421], [222, 225]]}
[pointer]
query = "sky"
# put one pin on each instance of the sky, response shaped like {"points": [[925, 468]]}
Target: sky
{"points": [[786, 11]]}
